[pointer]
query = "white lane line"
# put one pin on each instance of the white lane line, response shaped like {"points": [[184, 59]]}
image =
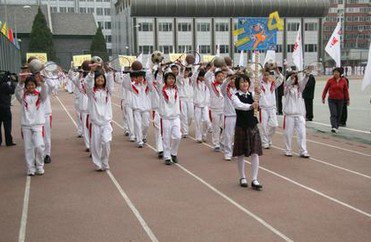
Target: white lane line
{"points": [[307, 188], [22, 228], [350, 129], [123, 194], [332, 146], [254, 216], [133, 208], [329, 164]]}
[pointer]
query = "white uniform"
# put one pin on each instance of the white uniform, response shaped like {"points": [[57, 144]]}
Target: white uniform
{"points": [[155, 102], [294, 111], [267, 103], [200, 100], [141, 105], [169, 109], [216, 107], [53, 85], [229, 119], [101, 117], [185, 91], [74, 78], [32, 123], [126, 107]]}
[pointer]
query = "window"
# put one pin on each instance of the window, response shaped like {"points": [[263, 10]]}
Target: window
{"points": [[166, 49], [165, 27], [71, 10], [107, 25], [203, 27], [184, 48], [100, 24], [54, 9], [310, 48], [311, 26], [222, 27], [290, 48], [184, 27], [109, 38], [82, 10], [279, 48], [91, 10], [292, 26], [224, 49], [145, 49], [145, 27], [63, 9], [205, 49], [100, 11], [107, 11]]}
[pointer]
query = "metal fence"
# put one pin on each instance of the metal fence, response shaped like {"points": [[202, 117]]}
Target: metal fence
{"points": [[10, 56]]}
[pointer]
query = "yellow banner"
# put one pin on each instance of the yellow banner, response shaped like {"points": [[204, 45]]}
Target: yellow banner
{"points": [[242, 41], [126, 60], [208, 58], [79, 59], [176, 56], [279, 22], [238, 31], [40, 56]]}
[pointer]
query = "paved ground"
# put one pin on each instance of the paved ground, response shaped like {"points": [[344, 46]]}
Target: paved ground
{"points": [[325, 198]]}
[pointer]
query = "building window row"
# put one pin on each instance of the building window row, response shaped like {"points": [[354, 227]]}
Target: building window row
{"points": [[165, 27], [145, 49], [184, 27], [203, 27], [222, 27], [184, 48]]}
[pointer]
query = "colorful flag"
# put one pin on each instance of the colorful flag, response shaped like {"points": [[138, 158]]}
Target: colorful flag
{"points": [[10, 35], [333, 46], [367, 77], [4, 30], [297, 52]]}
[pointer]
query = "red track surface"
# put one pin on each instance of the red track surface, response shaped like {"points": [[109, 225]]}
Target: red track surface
{"points": [[326, 198]]}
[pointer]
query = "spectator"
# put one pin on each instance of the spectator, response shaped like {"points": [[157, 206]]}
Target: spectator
{"points": [[308, 95], [344, 112], [8, 83]]}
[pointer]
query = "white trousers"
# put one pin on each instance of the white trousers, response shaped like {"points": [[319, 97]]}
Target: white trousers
{"points": [[70, 86], [86, 128], [47, 134], [201, 122], [33, 147], [171, 136], [217, 125], [186, 115], [292, 123], [254, 166], [141, 125], [157, 125], [101, 137], [129, 120], [269, 123], [78, 117], [228, 135]]}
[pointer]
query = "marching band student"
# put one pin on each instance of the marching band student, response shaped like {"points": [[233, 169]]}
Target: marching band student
{"points": [[200, 100], [76, 75], [136, 83], [126, 107], [170, 116], [213, 82], [79, 80], [247, 141], [32, 122], [155, 102], [294, 111], [185, 89], [228, 90], [267, 102], [99, 89]]}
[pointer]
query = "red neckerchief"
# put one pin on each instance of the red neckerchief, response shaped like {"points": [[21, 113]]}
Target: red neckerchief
{"points": [[214, 86], [155, 86], [38, 101], [135, 89], [273, 85], [94, 91], [165, 93]]}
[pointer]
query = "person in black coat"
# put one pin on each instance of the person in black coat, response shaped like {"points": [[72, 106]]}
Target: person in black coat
{"points": [[308, 95], [8, 83]]}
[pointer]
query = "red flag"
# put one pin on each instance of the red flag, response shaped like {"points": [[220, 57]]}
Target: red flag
{"points": [[10, 35]]}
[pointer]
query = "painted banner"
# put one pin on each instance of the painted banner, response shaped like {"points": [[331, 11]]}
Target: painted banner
{"points": [[176, 56], [256, 34], [126, 60], [79, 59], [41, 56]]}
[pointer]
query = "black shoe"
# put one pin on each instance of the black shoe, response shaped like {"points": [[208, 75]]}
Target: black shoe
{"points": [[168, 162], [11, 144], [79, 136], [144, 140], [160, 155], [174, 158], [243, 182], [87, 150], [342, 125], [256, 186], [126, 133], [47, 159]]}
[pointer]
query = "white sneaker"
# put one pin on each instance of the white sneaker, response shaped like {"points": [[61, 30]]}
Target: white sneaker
{"points": [[266, 146], [228, 158], [288, 154], [40, 172]]}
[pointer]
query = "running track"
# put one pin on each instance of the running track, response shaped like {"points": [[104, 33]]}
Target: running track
{"points": [[326, 198]]}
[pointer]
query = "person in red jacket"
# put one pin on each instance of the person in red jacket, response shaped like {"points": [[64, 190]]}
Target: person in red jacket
{"points": [[337, 88]]}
